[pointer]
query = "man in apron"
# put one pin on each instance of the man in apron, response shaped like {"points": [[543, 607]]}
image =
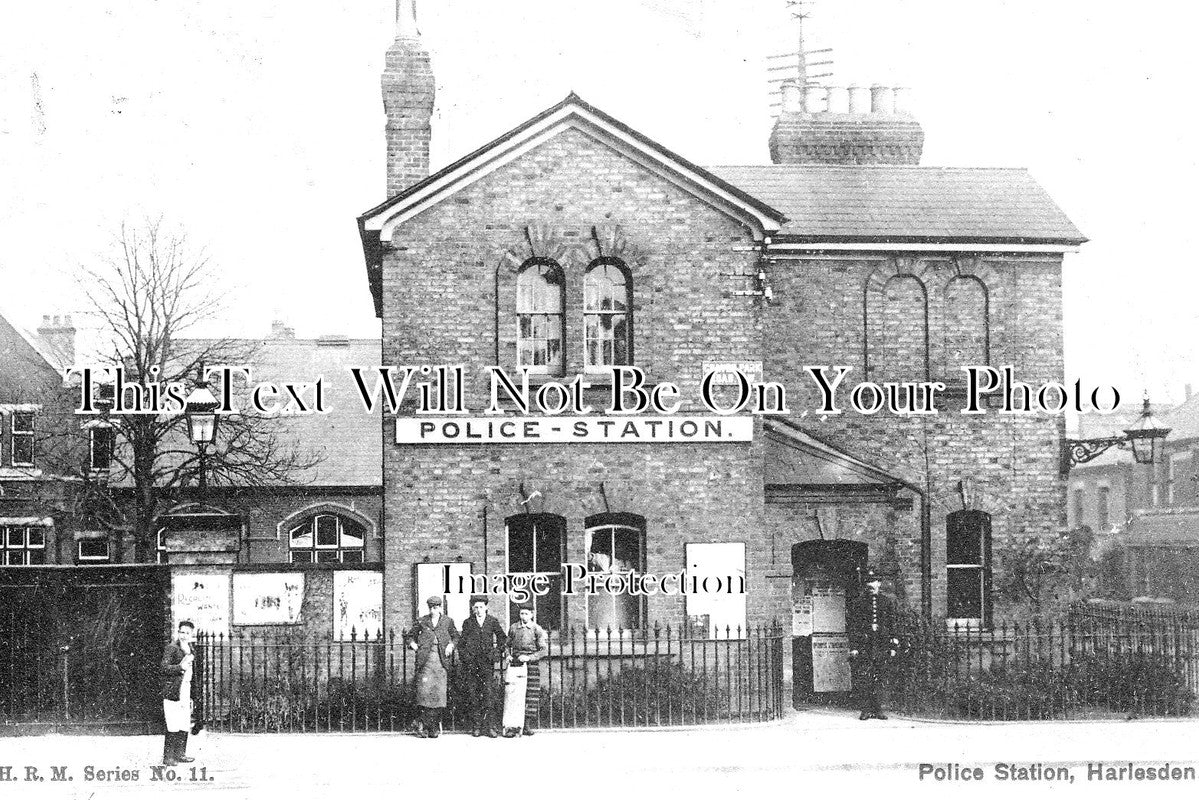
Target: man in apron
{"points": [[177, 695], [432, 637], [528, 643]]}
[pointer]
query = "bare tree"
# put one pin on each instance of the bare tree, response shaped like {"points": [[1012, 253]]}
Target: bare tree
{"points": [[146, 298]]}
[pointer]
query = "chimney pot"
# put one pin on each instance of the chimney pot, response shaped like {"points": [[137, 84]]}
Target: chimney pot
{"points": [[45, 320], [838, 100], [792, 98], [903, 100], [66, 320], [859, 100], [1187, 389], [815, 99], [882, 100], [57, 321]]}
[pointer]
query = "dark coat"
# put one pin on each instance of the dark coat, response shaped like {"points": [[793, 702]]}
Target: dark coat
{"points": [[874, 647], [432, 638], [172, 671], [481, 644]]}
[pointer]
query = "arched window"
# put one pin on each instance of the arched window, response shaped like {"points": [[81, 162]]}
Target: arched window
{"points": [[967, 338], [537, 546], [540, 290], [897, 331], [607, 315], [327, 538], [615, 544]]}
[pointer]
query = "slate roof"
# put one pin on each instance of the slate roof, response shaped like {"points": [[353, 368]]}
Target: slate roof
{"points": [[906, 203], [350, 439], [1182, 420]]}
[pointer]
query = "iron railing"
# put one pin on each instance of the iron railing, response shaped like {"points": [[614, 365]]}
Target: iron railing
{"points": [[1078, 665], [270, 682]]}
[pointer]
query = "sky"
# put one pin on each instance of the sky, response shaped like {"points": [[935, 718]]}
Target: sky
{"points": [[257, 127]]}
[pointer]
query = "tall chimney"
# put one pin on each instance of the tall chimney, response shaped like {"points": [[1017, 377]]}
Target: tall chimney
{"points": [[408, 102], [58, 334]]}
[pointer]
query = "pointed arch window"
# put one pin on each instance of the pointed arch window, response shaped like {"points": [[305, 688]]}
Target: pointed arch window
{"points": [[607, 315], [540, 297]]}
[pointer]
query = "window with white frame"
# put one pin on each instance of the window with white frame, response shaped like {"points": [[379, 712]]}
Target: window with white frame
{"points": [[160, 546], [95, 549], [1078, 504], [536, 546], [101, 441], [1104, 510], [968, 567], [1175, 467], [327, 538], [615, 545], [24, 545], [21, 439], [607, 315], [540, 297]]}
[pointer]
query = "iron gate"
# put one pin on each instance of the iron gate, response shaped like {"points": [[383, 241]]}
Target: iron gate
{"points": [[80, 646]]}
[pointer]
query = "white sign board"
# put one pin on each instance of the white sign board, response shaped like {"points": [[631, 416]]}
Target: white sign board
{"points": [[828, 609], [564, 430], [724, 373], [801, 616], [267, 598], [830, 662], [725, 609], [431, 580], [201, 598], [357, 604]]}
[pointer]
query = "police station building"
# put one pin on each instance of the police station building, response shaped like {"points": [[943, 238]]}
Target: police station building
{"points": [[573, 244]]}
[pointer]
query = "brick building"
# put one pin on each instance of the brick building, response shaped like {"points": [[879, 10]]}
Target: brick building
{"points": [[572, 244], [1148, 514]]}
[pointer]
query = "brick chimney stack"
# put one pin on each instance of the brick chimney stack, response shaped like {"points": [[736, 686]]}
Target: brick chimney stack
{"points": [[408, 102], [58, 334], [845, 125]]}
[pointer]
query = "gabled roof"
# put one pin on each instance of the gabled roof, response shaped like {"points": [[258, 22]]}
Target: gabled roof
{"points": [[378, 224], [894, 203]]}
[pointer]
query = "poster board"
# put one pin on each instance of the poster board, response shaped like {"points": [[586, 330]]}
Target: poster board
{"points": [[830, 662], [267, 598], [801, 616], [431, 580], [828, 609], [202, 598], [357, 604], [725, 609]]}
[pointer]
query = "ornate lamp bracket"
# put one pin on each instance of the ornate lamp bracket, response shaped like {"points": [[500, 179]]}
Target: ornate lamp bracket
{"points": [[1080, 451]]}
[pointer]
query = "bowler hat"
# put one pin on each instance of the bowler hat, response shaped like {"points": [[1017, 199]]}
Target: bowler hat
{"points": [[478, 598]]}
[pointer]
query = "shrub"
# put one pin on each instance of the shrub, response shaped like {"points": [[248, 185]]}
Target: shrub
{"points": [[1032, 690], [1136, 682], [644, 695]]}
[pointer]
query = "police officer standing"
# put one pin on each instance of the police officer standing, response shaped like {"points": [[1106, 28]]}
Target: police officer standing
{"points": [[873, 645]]}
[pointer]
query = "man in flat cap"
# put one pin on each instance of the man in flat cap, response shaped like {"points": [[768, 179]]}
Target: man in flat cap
{"points": [[480, 646], [528, 643], [432, 637]]}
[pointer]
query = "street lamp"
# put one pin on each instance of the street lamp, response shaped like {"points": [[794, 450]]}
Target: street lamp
{"points": [[1145, 439], [201, 407]]}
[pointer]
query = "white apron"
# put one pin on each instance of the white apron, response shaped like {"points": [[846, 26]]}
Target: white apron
{"points": [[516, 684], [178, 713]]}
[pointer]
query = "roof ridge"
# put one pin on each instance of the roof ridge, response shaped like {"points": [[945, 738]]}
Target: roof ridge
{"points": [[905, 167]]}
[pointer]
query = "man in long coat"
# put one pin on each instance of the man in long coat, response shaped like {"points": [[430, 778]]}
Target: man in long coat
{"points": [[176, 668], [873, 646], [479, 648], [432, 637]]}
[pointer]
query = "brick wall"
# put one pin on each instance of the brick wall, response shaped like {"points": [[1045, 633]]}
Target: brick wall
{"points": [[570, 199], [1011, 462]]}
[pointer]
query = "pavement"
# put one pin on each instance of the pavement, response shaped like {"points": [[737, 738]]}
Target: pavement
{"points": [[805, 752]]}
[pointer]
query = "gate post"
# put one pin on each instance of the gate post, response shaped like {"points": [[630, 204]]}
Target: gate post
{"points": [[66, 694]]}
